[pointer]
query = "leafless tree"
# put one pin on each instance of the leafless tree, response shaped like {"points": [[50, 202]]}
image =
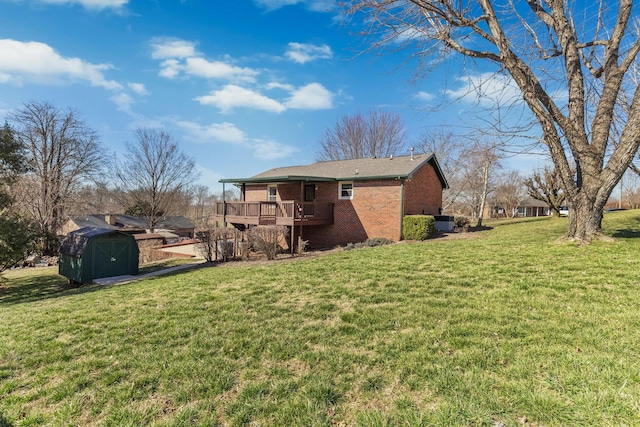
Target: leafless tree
{"points": [[479, 172], [201, 206], [569, 65], [546, 186], [631, 192], [509, 193], [96, 198], [377, 134], [448, 149], [62, 153], [153, 175]]}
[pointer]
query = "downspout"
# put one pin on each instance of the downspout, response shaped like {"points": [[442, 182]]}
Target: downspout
{"points": [[224, 209], [401, 208]]}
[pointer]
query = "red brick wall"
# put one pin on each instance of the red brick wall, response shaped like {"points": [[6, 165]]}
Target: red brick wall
{"points": [[255, 193], [258, 193], [423, 193], [374, 211]]}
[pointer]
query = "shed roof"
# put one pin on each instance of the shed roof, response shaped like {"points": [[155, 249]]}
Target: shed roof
{"points": [[349, 170], [76, 241]]}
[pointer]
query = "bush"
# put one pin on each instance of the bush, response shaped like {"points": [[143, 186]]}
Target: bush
{"points": [[267, 238], [376, 241], [461, 222], [418, 227]]}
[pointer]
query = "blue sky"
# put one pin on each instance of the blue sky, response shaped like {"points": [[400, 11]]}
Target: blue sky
{"points": [[243, 85]]}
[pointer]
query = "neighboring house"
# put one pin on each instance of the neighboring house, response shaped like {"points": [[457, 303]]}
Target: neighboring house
{"points": [[531, 207], [178, 225], [338, 202]]}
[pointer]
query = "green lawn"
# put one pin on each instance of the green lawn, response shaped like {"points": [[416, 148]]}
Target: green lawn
{"points": [[508, 327]]}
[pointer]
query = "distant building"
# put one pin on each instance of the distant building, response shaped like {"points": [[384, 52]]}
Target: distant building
{"points": [[169, 227]]}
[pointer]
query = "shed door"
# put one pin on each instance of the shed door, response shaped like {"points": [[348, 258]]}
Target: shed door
{"points": [[111, 257]]}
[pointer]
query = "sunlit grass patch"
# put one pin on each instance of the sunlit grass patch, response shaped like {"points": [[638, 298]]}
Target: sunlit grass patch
{"points": [[507, 327]]}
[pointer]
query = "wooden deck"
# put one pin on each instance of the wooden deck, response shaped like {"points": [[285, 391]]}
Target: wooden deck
{"points": [[289, 212]]}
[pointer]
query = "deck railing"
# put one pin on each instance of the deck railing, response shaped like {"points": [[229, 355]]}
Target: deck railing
{"points": [[289, 211]]}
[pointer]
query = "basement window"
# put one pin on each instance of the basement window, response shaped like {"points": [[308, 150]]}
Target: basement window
{"points": [[346, 191]]}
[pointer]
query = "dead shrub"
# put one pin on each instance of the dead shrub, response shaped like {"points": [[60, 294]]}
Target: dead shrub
{"points": [[267, 238]]}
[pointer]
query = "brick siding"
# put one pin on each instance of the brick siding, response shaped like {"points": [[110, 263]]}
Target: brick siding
{"points": [[374, 211], [423, 193]]}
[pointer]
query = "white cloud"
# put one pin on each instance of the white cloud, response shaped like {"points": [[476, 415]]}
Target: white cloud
{"points": [[486, 89], [313, 96], [233, 96], [269, 150], [180, 56], [123, 101], [172, 48], [92, 4], [425, 96], [283, 86], [229, 133], [138, 88], [170, 68], [315, 5], [304, 52], [201, 67], [224, 132], [22, 62]]}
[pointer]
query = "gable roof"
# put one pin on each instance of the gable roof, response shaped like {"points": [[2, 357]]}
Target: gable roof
{"points": [[76, 241], [349, 170], [130, 222]]}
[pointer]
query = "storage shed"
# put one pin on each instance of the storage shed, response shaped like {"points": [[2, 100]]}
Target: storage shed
{"points": [[92, 252]]}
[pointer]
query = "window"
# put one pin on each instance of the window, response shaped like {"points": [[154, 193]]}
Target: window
{"points": [[346, 190], [272, 193]]}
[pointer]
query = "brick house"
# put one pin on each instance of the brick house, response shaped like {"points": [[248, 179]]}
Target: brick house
{"points": [[337, 202]]}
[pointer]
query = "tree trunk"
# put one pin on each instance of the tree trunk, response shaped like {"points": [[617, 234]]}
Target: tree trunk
{"points": [[585, 224], [485, 190]]}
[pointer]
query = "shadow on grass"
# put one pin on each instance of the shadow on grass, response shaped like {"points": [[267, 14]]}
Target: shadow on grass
{"points": [[4, 422], [35, 288], [45, 285], [626, 234]]}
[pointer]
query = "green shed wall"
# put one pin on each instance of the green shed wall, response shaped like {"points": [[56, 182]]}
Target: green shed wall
{"points": [[107, 255]]}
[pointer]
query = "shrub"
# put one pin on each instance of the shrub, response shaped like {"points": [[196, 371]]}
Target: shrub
{"points": [[217, 242], [267, 238], [418, 227], [375, 241], [461, 222]]}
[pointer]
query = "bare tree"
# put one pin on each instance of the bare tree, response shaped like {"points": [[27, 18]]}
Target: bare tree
{"points": [[62, 153], [509, 193], [153, 175], [479, 171], [449, 150], [569, 66], [546, 187], [201, 206], [377, 134]]}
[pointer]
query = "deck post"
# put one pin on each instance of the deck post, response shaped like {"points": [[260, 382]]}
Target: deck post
{"points": [[224, 209]]}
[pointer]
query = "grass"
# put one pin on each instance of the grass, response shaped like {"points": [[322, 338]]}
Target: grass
{"points": [[509, 326]]}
